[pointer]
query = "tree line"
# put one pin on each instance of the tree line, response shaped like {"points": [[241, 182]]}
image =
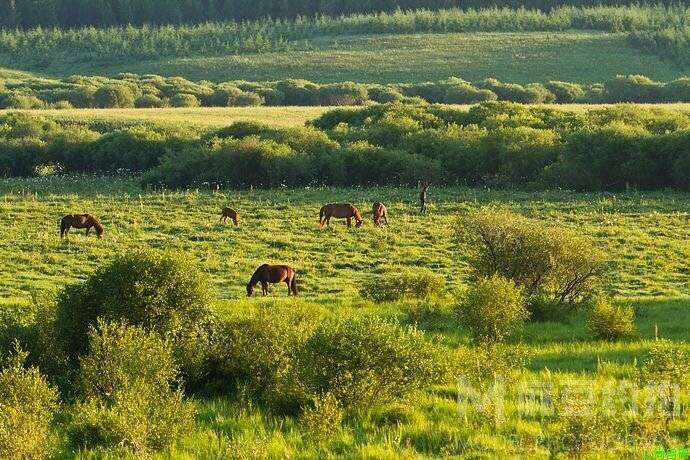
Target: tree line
{"points": [[28, 14], [494, 144]]}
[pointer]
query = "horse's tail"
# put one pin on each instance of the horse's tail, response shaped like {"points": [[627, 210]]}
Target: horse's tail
{"points": [[63, 226], [322, 211]]}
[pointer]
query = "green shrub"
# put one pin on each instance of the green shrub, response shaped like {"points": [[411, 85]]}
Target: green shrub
{"points": [[565, 93], [633, 88], [298, 92], [248, 99], [384, 94], [62, 105], [468, 94], [148, 101], [677, 90], [481, 365], [667, 362], [366, 361], [159, 291], [126, 395], [607, 321], [257, 351], [347, 93], [184, 100], [323, 419], [17, 100], [224, 96], [493, 309], [113, 96], [417, 283], [547, 262], [27, 406]]}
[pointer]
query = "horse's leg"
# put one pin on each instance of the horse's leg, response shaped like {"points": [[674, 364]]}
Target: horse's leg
{"points": [[385, 219], [264, 288], [288, 281], [349, 222], [88, 229]]}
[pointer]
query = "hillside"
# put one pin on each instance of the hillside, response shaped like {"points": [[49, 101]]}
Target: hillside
{"points": [[524, 57]]}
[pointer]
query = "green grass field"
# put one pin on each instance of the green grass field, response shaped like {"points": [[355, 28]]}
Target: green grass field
{"points": [[214, 117], [645, 237], [200, 117], [579, 56]]}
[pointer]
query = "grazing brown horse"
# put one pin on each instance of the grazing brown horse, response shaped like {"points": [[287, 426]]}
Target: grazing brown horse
{"points": [[379, 211], [339, 211], [272, 274], [232, 214], [80, 221]]}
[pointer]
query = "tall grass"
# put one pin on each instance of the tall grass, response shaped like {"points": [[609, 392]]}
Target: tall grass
{"points": [[43, 45]]}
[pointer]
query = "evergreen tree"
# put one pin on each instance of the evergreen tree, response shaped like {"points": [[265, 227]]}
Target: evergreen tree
{"points": [[122, 11], [8, 14]]}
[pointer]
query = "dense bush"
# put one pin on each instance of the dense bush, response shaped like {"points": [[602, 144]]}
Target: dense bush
{"points": [[158, 291], [492, 309], [148, 101], [113, 96], [27, 407], [126, 395], [493, 144], [257, 351], [607, 321], [667, 362], [565, 93], [543, 260], [365, 361], [184, 100], [417, 283]]}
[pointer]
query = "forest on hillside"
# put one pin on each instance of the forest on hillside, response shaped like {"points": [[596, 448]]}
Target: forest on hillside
{"points": [[74, 13]]}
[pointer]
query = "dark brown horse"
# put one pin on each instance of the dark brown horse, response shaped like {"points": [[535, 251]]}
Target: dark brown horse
{"points": [[339, 211], [232, 214], [80, 221], [266, 274], [379, 212]]}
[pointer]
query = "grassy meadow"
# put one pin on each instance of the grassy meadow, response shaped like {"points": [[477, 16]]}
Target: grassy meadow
{"points": [[645, 237], [520, 57], [198, 117]]}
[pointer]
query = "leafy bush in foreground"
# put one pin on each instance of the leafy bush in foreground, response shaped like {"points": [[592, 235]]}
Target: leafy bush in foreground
{"points": [[27, 406], [158, 291], [366, 361], [257, 351], [126, 395], [492, 308]]}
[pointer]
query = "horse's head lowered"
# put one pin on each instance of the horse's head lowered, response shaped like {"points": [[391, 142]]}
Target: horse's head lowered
{"points": [[250, 289]]}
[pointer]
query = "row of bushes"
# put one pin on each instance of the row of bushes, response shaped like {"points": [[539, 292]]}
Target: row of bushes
{"points": [[42, 47], [154, 91], [494, 144]]}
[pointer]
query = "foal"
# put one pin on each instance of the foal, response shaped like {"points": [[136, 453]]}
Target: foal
{"points": [[379, 212], [232, 214]]}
